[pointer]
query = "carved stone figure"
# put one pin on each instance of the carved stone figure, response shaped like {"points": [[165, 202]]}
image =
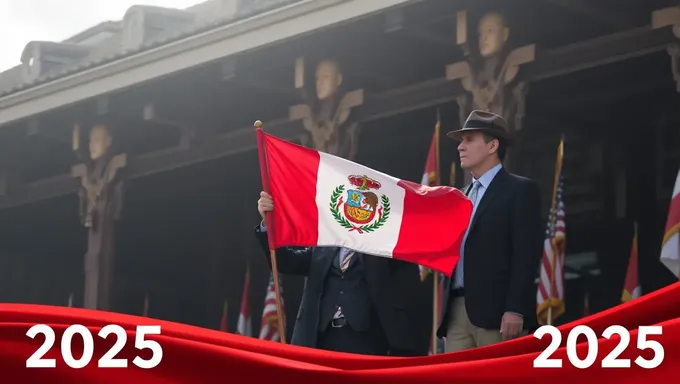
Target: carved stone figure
{"points": [[101, 198], [489, 75], [327, 118]]}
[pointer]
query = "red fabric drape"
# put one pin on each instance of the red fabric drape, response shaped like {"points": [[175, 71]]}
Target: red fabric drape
{"points": [[196, 355]]}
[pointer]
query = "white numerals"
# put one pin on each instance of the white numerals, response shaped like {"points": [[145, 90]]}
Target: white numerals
{"points": [[611, 360], [108, 360]]}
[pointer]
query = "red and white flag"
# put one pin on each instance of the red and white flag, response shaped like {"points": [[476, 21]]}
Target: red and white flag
{"points": [[324, 200], [269, 329], [431, 177], [631, 286], [670, 248], [244, 326]]}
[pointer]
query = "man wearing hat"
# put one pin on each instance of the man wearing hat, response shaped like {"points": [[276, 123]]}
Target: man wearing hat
{"points": [[491, 295]]}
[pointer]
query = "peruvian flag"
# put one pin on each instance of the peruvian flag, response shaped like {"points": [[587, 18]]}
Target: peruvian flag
{"points": [[323, 200]]}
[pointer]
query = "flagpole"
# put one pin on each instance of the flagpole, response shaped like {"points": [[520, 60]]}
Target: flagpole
{"points": [[264, 173], [553, 219], [435, 274]]}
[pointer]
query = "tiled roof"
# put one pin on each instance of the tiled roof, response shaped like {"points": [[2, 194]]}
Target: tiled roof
{"points": [[205, 16]]}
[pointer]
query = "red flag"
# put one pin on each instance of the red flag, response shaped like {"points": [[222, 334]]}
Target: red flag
{"points": [[223, 321], [670, 249], [245, 326], [324, 200], [431, 176], [631, 286]]}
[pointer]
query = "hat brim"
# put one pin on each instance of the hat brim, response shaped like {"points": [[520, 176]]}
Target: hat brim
{"points": [[458, 134]]}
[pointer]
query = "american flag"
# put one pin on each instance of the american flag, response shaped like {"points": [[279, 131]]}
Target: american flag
{"points": [[269, 330], [551, 282]]}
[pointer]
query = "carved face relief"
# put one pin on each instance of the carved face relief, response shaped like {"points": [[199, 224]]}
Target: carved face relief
{"points": [[328, 79], [493, 34], [100, 141]]}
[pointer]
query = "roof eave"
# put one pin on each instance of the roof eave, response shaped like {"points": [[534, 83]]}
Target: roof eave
{"points": [[270, 27]]}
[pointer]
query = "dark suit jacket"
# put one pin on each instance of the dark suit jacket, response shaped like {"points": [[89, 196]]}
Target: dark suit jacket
{"points": [[392, 285], [502, 254]]}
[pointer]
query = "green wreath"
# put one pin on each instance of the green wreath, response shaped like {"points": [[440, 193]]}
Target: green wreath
{"points": [[342, 220]]}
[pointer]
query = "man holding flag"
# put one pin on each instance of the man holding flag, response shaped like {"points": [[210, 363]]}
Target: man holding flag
{"points": [[358, 236], [490, 297], [361, 304]]}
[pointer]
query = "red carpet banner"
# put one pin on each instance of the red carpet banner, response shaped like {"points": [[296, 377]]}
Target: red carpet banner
{"points": [[55, 352]]}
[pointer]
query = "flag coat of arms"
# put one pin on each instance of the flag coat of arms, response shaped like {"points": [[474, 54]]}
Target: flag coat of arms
{"points": [[324, 200]]}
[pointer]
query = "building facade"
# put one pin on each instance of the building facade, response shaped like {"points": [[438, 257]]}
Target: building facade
{"points": [[128, 157]]}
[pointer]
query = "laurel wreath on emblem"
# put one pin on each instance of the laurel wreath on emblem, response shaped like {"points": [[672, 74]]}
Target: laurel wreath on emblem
{"points": [[382, 219]]}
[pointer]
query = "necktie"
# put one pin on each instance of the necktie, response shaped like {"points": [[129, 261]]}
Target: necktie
{"points": [[459, 273], [345, 258], [472, 195]]}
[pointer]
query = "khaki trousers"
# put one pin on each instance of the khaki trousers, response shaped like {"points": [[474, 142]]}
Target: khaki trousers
{"points": [[462, 334]]}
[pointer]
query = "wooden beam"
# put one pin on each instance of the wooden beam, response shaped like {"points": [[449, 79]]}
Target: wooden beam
{"points": [[597, 52], [600, 51], [586, 8]]}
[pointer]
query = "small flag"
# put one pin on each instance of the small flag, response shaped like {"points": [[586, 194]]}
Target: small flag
{"points": [[269, 328], [550, 294], [431, 176], [670, 248], [631, 286], [245, 326]]}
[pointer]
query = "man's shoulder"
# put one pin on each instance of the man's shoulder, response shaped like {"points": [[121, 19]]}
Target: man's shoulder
{"points": [[521, 181]]}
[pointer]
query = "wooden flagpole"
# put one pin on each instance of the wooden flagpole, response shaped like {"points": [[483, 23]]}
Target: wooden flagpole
{"points": [[264, 173], [553, 222]]}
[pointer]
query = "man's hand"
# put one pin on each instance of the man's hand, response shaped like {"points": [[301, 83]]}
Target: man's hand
{"points": [[265, 204], [511, 325]]}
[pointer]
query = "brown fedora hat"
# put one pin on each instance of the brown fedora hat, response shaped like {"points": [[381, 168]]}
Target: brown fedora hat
{"points": [[488, 122]]}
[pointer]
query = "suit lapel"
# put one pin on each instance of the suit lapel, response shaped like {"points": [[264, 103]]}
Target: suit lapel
{"points": [[326, 258], [490, 193]]}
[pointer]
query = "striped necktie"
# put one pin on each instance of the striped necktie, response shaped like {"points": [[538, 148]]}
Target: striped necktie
{"points": [[345, 260]]}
